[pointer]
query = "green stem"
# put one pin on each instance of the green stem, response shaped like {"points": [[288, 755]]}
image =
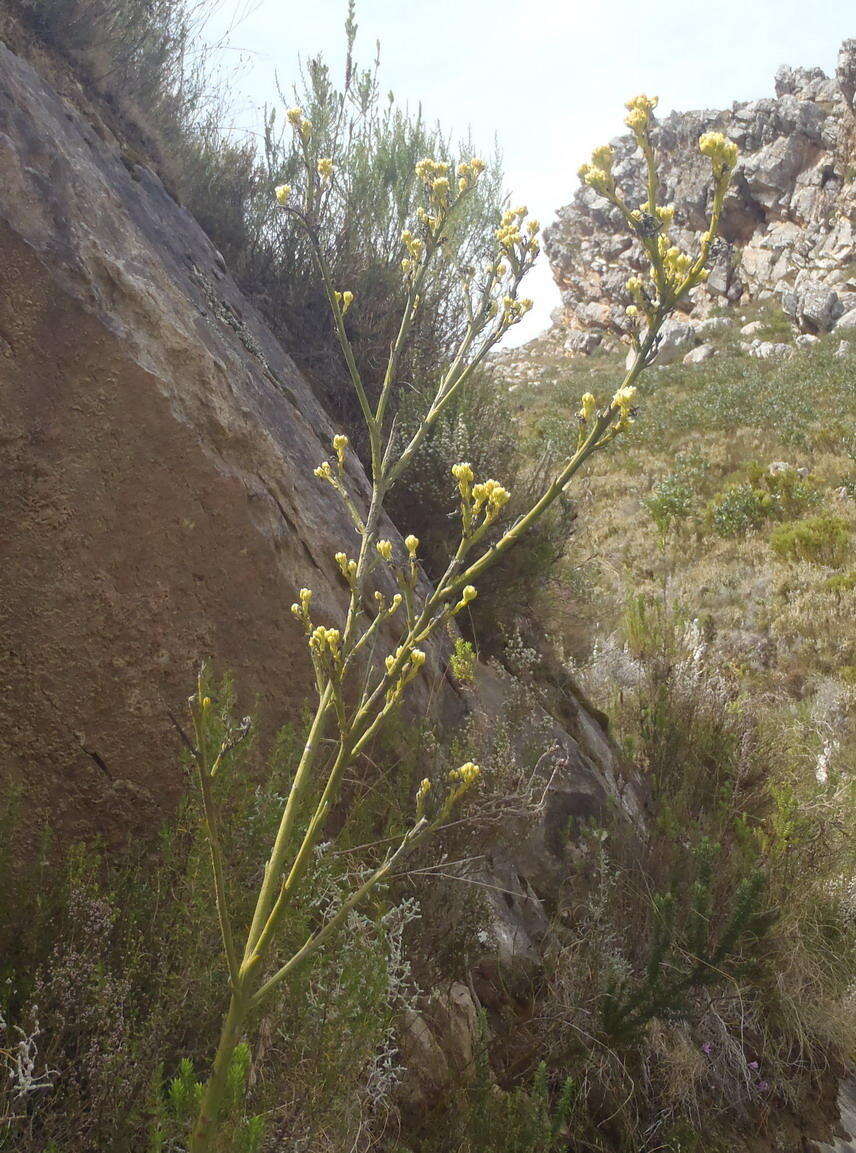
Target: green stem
{"points": [[213, 1095]]}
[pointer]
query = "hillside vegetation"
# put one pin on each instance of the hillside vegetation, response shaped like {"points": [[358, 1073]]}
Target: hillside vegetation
{"points": [[688, 977]]}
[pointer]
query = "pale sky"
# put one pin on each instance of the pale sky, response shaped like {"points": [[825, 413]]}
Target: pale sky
{"points": [[548, 79]]}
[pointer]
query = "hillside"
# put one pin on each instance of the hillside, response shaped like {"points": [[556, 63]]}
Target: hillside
{"points": [[586, 886]]}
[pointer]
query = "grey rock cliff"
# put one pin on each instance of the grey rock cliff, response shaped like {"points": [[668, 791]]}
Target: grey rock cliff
{"points": [[789, 225]]}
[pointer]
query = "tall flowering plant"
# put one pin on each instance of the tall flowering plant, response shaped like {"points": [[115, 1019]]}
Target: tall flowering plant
{"points": [[355, 693]]}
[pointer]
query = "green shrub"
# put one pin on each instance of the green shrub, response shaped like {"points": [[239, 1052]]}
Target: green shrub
{"points": [[671, 501], [739, 509], [685, 958], [822, 539]]}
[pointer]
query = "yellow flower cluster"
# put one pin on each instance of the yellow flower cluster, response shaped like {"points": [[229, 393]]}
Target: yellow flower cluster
{"points": [[421, 793], [588, 406], [415, 250], [598, 173], [417, 660], [469, 172], [325, 642], [638, 116], [325, 168], [323, 471], [347, 567], [721, 151], [411, 543], [467, 774], [429, 170], [514, 310], [384, 549], [299, 123], [510, 233], [340, 446], [282, 193], [344, 300], [676, 264], [464, 475], [623, 403], [488, 497], [491, 496]]}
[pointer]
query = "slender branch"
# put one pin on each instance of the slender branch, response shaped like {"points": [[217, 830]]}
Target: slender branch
{"points": [[313, 943]]}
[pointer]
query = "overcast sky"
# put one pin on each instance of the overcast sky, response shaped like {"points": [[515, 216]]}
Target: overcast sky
{"points": [[548, 78]]}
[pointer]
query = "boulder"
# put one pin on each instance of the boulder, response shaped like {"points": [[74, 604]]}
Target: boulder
{"points": [[700, 354], [578, 342], [713, 326], [770, 350], [675, 338], [847, 321], [813, 306]]}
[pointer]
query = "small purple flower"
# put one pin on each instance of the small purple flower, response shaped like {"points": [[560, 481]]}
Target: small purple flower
{"points": [[707, 1048], [763, 1086], [753, 1065]]}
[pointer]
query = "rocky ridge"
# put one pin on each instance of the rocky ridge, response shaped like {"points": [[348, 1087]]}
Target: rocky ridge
{"points": [[789, 225]]}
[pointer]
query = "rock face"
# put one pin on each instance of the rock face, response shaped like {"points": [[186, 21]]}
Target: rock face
{"points": [[157, 455], [789, 226]]}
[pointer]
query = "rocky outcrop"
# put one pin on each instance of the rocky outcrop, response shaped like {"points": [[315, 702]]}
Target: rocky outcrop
{"points": [[157, 453], [789, 225]]}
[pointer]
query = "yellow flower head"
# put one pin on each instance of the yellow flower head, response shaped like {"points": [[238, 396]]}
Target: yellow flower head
{"points": [[421, 793], [324, 471], [467, 774], [603, 158], [623, 401], [340, 446], [417, 659], [282, 193], [644, 104], [347, 301], [411, 543], [440, 189], [719, 149], [325, 168], [469, 594], [384, 548], [294, 116], [596, 178], [429, 170], [464, 475], [588, 406]]}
